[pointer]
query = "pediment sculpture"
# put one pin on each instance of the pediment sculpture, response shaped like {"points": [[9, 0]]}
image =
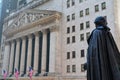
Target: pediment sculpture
{"points": [[30, 16]]}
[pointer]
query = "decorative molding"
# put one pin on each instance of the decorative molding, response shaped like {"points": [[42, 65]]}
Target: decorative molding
{"points": [[30, 5], [30, 36], [24, 38], [36, 33], [18, 39], [54, 28], [44, 31], [30, 19], [7, 43]]}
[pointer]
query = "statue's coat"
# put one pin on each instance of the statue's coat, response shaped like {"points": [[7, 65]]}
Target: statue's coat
{"points": [[103, 57]]}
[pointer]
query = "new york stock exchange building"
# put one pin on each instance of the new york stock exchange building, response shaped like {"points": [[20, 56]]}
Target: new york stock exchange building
{"points": [[32, 39], [50, 37]]}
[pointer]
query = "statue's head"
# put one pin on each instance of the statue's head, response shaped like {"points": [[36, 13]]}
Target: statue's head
{"points": [[100, 21]]}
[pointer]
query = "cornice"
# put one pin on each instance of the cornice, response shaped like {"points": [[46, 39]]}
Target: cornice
{"points": [[30, 5], [42, 21]]}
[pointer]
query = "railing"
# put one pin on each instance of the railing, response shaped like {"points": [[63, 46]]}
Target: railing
{"points": [[29, 5]]}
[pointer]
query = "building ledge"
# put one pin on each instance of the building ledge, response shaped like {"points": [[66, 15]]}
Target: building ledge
{"points": [[31, 19], [30, 5]]}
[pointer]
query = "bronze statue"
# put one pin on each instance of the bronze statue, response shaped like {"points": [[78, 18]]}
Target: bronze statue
{"points": [[103, 57]]}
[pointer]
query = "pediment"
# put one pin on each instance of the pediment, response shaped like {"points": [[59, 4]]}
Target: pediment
{"points": [[28, 17]]}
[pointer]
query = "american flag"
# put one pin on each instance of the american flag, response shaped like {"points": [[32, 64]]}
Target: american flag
{"points": [[30, 72], [4, 74], [16, 74]]}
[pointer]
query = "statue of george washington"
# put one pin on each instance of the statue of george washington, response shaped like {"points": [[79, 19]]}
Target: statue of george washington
{"points": [[103, 57]]}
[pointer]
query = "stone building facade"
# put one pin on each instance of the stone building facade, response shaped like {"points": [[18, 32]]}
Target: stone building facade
{"points": [[50, 36], [0, 62]]}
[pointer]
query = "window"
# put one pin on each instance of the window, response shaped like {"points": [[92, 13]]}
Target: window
{"points": [[87, 24], [68, 55], [87, 11], [73, 68], [81, 26], [96, 8], [68, 18], [81, 37], [80, 1], [73, 54], [68, 40], [68, 29], [82, 53], [68, 3], [73, 16], [103, 5], [73, 28], [68, 68], [82, 68], [73, 39], [87, 35], [73, 2], [81, 13]]}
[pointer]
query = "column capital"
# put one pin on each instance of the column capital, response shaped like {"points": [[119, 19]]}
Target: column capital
{"points": [[30, 36], [7, 42], [44, 31], [12, 41], [18, 39], [36, 33], [24, 37], [54, 28]]}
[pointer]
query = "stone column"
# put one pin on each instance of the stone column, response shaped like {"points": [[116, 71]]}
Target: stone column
{"points": [[22, 62], [29, 54], [52, 50], [11, 57], [6, 56], [44, 51], [17, 53], [36, 53]]}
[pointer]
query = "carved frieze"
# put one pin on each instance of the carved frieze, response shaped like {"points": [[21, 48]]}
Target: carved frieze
{"points": [[29, 19]]}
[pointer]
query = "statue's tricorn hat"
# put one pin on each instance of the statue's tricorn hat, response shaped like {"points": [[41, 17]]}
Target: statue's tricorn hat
{"points": [[99, 19]]}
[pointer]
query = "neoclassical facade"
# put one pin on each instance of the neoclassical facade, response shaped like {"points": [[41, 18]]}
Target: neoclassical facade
{"points": [[31, 39], [51, 37]]}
